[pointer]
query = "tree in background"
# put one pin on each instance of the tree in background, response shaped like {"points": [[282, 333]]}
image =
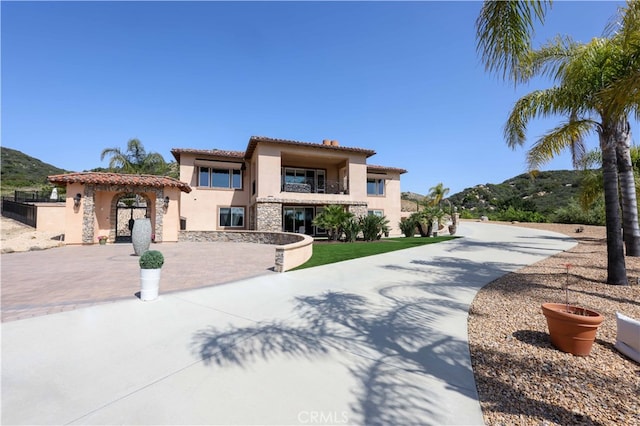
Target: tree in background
{"points": [[436, 195], [135, 160]]}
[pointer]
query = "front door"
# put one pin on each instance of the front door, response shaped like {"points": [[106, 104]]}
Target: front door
{"points": [[128, 208]]}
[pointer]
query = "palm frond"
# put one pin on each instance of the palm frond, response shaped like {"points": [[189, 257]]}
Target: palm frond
{"points": [[537, 104], [554, 142], [504, 30]]}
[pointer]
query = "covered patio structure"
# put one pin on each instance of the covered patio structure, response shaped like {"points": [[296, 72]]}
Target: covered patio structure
{"points": [[104, 204]]}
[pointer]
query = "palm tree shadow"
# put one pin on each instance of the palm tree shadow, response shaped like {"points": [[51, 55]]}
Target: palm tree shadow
{"points": [[397, 356]]}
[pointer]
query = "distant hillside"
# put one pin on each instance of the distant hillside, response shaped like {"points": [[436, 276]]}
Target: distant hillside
{"points": [[19, 170], [544, 193]]}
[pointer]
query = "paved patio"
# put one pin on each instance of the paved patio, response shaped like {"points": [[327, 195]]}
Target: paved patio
{"points": [[66, 278]]}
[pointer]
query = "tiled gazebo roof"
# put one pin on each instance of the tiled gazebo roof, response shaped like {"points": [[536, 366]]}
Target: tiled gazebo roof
{"points": [[98, 178]]}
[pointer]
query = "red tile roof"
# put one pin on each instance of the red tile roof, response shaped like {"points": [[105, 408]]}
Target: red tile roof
{"points": [[255, 140], [375, 168], [208, 152], [96, 178]]}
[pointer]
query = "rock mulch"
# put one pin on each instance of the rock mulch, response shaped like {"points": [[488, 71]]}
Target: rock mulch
{"points": [[521, 378]]}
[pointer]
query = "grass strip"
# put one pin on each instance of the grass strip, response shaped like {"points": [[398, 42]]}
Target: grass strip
{"points": [[332, 252]]}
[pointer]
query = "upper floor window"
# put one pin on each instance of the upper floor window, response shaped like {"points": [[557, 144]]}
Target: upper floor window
{"points": [[220, 178], [375, 186]]}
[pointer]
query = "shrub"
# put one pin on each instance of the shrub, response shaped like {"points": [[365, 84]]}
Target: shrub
{"points": [[408, 227], [511, 214], [351, 229], [151, 259], [573, 213], [373, 227], [333, 218]]}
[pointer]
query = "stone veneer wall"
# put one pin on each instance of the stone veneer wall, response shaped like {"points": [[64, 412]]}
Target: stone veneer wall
{"points": [[358, 210], [288, 250], [269, 216], [88, 215]]}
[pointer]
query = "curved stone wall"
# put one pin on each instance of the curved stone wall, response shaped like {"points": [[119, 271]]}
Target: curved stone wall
{"points": [[292, 249]]}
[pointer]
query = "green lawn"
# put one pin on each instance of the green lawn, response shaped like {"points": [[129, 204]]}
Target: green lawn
{"points": [[324, 253]]}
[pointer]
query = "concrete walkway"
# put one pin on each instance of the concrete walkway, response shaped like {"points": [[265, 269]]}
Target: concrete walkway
{"points": [[378, 340]]}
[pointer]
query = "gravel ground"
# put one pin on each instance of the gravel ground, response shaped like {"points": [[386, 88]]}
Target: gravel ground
{"points": [[17, 237], [521, 378]]}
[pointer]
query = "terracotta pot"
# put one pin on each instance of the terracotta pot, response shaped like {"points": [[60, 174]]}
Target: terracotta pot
{"points": [[570, 332]]}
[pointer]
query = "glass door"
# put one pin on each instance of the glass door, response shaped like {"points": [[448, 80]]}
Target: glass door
{"points": [[298, 220]]}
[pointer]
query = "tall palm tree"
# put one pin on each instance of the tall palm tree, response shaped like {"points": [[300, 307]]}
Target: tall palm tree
{"points": [[582, 72], [135, 160], [504, 31]]}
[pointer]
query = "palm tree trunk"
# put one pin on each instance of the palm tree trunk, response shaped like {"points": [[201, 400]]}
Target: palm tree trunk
{"points": [[631, 230], [616, 268]]}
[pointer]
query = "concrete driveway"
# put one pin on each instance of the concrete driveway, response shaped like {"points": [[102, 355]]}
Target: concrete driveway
{"points": [[380, 340]]}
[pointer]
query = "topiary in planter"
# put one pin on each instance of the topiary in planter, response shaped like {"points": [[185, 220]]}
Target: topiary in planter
{"points": [[151, 259]]}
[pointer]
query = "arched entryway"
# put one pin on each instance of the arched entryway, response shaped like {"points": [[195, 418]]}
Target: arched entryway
{"points": [[129, 207]]}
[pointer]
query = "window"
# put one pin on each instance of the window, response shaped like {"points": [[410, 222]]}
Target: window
{"points": [[220, 178], [375, 186], [378, 213], [231, 217], [303, 180]]}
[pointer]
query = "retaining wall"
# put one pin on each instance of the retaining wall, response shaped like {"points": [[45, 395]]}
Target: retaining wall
{"points": [[291, 249]]}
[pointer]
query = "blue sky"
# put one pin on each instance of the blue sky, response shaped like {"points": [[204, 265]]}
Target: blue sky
{"points": [[402, 78]]}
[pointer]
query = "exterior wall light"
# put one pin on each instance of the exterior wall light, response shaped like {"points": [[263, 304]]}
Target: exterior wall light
{"points": [[76, 200], [166, 202]]}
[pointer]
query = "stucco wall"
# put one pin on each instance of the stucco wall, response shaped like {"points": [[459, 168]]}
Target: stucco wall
{"points": [[74, 215], [200, 206], [390, 203], [51, 217]]}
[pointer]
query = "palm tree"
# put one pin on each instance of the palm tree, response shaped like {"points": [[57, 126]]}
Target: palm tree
{"points": [[504, 39], [437, 194], [135, 160], [582, 72], [333, 218]]}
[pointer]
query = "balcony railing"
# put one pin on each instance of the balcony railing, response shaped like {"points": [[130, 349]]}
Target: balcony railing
{"points": [[309, 186]]}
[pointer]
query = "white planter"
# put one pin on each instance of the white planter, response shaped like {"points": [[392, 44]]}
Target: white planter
{"points": [[149, 284]]}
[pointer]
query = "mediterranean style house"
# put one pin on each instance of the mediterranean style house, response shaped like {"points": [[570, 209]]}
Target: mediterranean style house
{"points": [[281, 185]]}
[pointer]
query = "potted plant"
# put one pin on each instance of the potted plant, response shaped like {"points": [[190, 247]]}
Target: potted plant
{"points": [[151, 263], [102, 239], [572, 328]]}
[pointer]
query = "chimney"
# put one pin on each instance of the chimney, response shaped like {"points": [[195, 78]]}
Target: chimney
{"points": [[335, 143], [326, 142]]}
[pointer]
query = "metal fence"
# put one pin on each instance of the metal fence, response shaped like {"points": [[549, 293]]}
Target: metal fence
{"points": [[35, 197], [22, 212]]}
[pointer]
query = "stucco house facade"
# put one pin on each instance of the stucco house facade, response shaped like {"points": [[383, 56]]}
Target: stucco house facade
{"points": [[277, 185]]}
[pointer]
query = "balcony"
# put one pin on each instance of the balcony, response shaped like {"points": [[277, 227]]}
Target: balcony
{"points": [[313, 186]]}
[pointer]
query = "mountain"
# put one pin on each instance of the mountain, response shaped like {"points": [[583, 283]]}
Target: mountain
{"points": [[19, 170], [545, 192]]}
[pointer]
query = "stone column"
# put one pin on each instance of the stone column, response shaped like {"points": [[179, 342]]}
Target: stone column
{"points": [[269, 216]]}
